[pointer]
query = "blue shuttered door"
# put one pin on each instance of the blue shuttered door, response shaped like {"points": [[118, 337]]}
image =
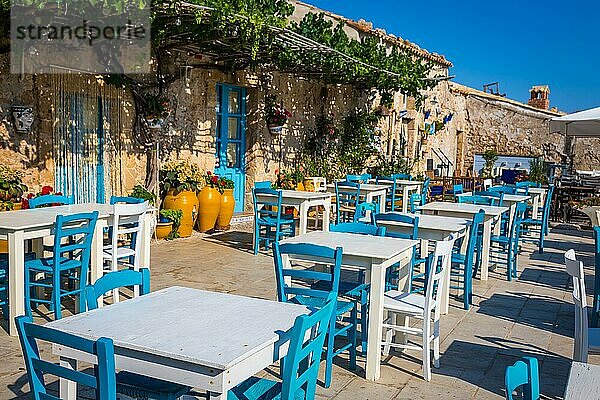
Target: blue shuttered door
{"points": [[231, 138]]}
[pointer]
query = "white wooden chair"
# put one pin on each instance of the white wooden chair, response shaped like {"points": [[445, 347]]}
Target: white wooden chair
{"points": [[587, 340], [400, 306], [127, 222]]}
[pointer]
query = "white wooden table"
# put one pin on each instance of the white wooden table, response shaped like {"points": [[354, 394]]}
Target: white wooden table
{"points": [[463, 210], [538, 195], [370, 192], [375, 255], [584, 382], [303, 201], [434, 228], [407, 187], [19, 226], [207, 340], [508, 200]]}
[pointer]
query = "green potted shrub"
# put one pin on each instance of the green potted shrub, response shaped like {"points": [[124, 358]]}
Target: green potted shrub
{"points": [[140, 192], [168, 224], [12, 188]]}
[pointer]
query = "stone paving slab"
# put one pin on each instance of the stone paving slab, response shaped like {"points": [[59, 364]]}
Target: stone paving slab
{"points": [[532, 315]]}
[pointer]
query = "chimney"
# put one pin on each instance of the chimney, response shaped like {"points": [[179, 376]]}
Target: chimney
{"points": [[539, 97]]}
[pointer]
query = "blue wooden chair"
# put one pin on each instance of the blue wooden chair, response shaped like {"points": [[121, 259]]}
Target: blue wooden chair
{"points": [[263, 185], [391, 202], [479, 200], [458, 189], [352, 284], [415, 201], [528, 184], [300, 291], [496, 195], [71, 258], [50, 200], [270, 224], [425, 191], [363, 209], [523, 374], [4, 280], [392, 274], [509, 243], [300, 366], [130, 384], [362, 178], [540, 223], [502, 189], [463, 271], [103, 378], [596, 302], [347, 197], [125, 200]]}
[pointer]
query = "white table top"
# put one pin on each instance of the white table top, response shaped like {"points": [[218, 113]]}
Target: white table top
{"points": [[463, 208], [46, 216], [376, 247], [508, 197], [300, 194], [433, 222], [537, 190], [217, 330], [400, 182], [584, 382], [364, 187]]}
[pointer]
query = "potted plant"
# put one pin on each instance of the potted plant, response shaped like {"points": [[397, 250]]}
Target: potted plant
{"points": [[156, 108], [140, 192], [46, 191], [168, 224], [180, 180], [227, 204], [298, 176], [12, 188], [490, 157], [209, 200], [276, 114]]}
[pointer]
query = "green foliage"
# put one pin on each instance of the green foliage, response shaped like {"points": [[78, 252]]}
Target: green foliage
{"points": [[490, 156], [410, 71], [140, 192], [356, 141], [538, 171], [174, 216], [12, 187], [180, 176], [390, 165]]}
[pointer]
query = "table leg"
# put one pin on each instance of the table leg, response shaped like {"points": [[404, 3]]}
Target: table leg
{"points": [[445, 300], [405, 199], [485, 256], [377, 281], [96, 260], [326, 215], [146, 237], [536, 205], [68, 389], [303, 217], [382, 202], [16, 278]]}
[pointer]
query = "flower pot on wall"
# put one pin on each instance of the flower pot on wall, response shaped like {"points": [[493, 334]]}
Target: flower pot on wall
{"points": [[187, 202], [275, 129], [209, 200], [226, 209], [163, 229]]}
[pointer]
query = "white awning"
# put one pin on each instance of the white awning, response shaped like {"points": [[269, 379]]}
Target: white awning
{"points": [[581, 124]]}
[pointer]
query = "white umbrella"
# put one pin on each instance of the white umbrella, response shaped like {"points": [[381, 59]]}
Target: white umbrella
{"points": [[580, 124]]}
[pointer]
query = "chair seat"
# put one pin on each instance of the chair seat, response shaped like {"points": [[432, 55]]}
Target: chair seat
{"points": [[271, 221], [458, 258], [500, 239], [531, 221], [406, 303], [47, 264], [594, 340], [342, 307], [260, 389], [140, 386], [4, 259], [122, 252]]}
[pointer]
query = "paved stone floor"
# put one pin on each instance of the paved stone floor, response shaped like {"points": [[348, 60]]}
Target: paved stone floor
{"points": [[530, 316]]}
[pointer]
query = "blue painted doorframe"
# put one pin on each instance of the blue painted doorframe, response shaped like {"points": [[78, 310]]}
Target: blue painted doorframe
{"points": [[231, 138]]}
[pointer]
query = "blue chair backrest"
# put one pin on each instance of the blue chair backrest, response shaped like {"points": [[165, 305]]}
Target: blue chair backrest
{"points": [[474, 229], [406, 177], [264, 205], [528, 184], [125, 200], [391, 191], [487, 193], [359, 228], [362, 208], [262, 185], [415, 200], [302, 361], [331, 258], [405, 219], [547, 203], [502, 189], [425, 191], [347, 194], [362, 178], [103, 381], [525, 374], [479, 200], [458, 188], [51, 199], [515, 227], [114, 280]]}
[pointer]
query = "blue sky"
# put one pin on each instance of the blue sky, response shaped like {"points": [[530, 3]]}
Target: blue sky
{"points": [[518, 43]]}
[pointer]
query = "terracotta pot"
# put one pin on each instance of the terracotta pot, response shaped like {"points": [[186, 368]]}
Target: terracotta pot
{"points": [[226, 209], [17, 206], [300, 186], [309, 185], [209, 200], [163, 229], [187, 202]]}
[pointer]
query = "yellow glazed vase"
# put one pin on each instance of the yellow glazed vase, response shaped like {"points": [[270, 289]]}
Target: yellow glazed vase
{"points": [[226, 209], [300, 186], [187, 202], [163, 229], [309, 185], [209, 200]]}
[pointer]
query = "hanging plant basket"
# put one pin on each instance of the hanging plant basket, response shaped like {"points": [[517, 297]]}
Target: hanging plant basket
{"points": [[275, 129], [154, 123]]}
